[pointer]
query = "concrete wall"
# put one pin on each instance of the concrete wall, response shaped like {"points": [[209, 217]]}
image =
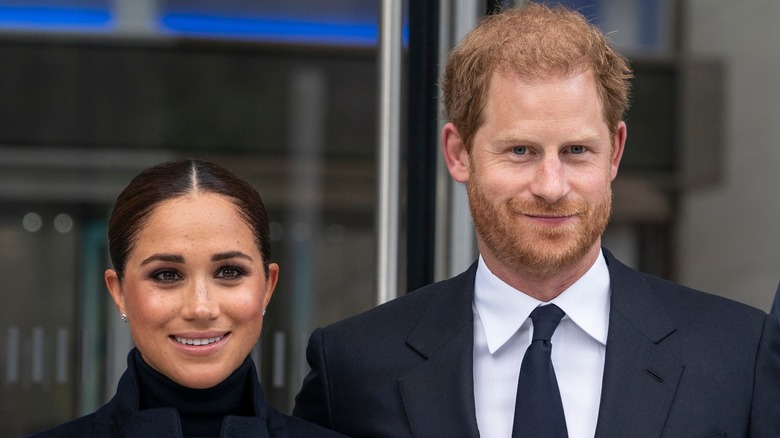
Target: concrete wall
{"points": [[729, 234]]}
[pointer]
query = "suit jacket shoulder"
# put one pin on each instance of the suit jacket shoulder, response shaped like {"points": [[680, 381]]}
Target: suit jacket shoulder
{"points": [[681, 362], [402, 366]]}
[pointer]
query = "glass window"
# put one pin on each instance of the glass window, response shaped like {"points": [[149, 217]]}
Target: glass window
{"points": [[83, 113]]}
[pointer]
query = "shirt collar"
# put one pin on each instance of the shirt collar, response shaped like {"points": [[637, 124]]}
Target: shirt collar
{"points": [[503, 309]]}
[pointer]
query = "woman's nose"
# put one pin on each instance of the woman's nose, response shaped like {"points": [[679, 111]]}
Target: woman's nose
{"points": [[200, 303]]}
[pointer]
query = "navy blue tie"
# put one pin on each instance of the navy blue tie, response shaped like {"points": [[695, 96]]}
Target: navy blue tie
{"points": [[538, 408]]}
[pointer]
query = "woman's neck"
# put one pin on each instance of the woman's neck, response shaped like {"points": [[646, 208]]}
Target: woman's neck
{"points": [[201, 410]]}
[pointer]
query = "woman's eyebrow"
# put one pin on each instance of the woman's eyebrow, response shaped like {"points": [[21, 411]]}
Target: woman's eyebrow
{"points": [[163, 258], [230, 255]]}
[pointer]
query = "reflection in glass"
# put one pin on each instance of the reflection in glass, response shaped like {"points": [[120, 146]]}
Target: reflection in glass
{"points": [[83, 114]]}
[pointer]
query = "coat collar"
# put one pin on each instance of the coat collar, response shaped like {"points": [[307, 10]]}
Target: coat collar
{"points": [[164, 422], [451, 308], [122, 412]]}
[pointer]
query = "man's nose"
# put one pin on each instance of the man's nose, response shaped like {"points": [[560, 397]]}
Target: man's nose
{"points": [[549, 181]]}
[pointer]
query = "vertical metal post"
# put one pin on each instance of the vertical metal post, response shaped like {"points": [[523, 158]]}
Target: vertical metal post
{"points": [[391, 23], [456, 242], [308, 97], [422, 114]]}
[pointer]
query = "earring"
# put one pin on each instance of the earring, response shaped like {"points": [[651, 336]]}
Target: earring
{"points": [[263, 311], [124, 317]]}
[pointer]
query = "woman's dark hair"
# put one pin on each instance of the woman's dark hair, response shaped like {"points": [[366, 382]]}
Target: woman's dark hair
{"points": [[173, 179]]}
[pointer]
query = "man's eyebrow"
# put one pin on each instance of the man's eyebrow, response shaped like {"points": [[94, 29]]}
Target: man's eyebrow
{"points": [[230, 255], [521, 139], [163, 258]]}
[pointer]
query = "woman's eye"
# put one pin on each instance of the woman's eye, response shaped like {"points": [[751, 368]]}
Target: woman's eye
{"points": [[519, 150], [166, 276], [230, 272], [577, 149]]}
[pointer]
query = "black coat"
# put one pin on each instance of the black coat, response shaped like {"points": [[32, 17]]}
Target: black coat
{"points": [[120, 417], [679, 363]]}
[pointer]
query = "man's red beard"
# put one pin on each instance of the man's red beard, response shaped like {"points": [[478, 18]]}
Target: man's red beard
{"points": [[537, 250]]}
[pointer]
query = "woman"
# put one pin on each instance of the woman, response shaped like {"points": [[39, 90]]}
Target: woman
{"points": [[190, 248]]}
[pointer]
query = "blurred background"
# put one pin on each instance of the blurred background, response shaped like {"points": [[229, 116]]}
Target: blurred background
{"points": [[294, 97]]}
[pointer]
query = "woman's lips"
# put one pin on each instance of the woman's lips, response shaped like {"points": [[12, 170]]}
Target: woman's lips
{"points": [[200, 343], [197, 341]]}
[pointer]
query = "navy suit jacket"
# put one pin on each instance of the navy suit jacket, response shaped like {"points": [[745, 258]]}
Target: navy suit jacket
{"points": [[776, 303], [679, 363]]}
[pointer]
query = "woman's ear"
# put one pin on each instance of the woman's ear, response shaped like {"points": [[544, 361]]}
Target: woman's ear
{"points": [[270, 283], [115, 289]]}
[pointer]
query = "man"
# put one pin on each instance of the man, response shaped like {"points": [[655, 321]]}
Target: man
{"points": [[535, 99]]}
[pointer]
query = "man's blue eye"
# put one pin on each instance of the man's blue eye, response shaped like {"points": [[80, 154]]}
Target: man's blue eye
{"points": [[577, 149], [519, 150]]}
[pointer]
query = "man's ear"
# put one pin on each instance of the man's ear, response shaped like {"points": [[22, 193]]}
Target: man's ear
{"points": [[618, 145], [455, 154]]}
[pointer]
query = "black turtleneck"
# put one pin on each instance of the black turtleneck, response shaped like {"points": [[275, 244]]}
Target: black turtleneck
{"points": [[201, 410]]}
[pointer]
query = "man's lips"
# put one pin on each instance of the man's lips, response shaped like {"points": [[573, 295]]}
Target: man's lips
{"points": [[544, 216], [551, 217]]}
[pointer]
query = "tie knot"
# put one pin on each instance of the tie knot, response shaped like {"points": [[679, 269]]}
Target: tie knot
{"points": [[546, 319]]}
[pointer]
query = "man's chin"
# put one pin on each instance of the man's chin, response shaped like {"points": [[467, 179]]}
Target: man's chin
{"points": [[549, 258]]}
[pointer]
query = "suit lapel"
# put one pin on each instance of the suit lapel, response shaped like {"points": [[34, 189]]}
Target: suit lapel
{"points": [[640, 381], [438, 395]]}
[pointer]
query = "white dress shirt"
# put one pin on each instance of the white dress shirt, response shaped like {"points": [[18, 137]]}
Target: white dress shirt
{"points": [[503, 331]]}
